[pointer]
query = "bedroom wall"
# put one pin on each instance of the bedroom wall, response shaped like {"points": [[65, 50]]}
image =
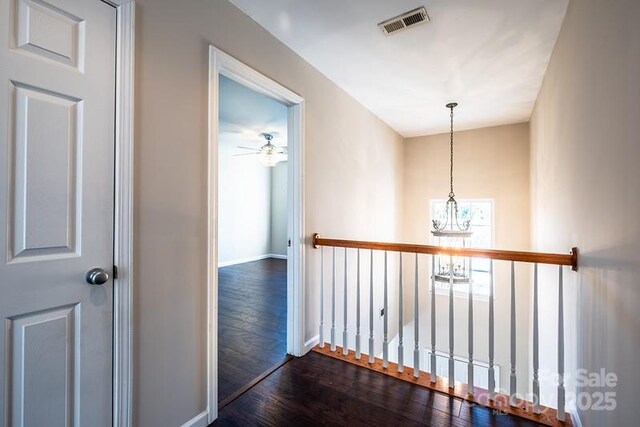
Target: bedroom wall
{"points": [[278, 223], [244, 204]]}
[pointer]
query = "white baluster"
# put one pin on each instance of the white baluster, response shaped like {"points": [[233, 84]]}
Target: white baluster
{"points": [[345, 344], [452, 378], [321, 331], [333, 304], [371, 357], [512, 376], [492, 374], [434, 375], [416, 324], [561, 411], [358, 353], [385, 343], [400, 319], [470, 364], [536, 382]]}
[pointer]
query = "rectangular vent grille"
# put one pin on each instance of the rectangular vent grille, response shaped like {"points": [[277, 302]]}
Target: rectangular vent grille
{"points": [[404, 21]]}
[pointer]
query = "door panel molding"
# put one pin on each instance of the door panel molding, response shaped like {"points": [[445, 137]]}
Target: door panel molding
{"points": [[67, 44], [43, 228], [57, 376]]}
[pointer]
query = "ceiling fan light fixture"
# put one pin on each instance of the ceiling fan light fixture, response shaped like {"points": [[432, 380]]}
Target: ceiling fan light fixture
{"points": [[268, 159], [270, 155]]}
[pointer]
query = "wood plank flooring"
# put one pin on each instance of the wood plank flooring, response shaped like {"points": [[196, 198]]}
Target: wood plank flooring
{"points": [[500, 402], [318, 390], [252, 322]]}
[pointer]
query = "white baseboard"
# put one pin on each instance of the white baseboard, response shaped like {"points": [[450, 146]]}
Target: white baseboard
{"points": [[575, 418], [311, 343], [199, 420], [253, 258]]}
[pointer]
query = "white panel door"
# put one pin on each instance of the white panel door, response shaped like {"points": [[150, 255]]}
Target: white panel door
{"points": [[57, 101]]}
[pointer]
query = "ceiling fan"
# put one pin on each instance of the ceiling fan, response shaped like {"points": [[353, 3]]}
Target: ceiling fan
{"points": [[270, 154]]}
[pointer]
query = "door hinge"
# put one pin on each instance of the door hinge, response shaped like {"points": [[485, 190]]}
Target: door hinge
{"points": [[289, 242], [115, 272]]}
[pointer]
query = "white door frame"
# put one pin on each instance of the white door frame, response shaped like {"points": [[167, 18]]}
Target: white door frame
{"points": [[221, 63], [123, 218]]}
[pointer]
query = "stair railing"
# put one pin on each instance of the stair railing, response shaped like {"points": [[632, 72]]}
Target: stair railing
{"points": [[511, 403]]}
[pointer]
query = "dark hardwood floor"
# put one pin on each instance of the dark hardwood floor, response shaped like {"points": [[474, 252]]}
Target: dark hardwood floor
{"points": [[318, 390], [252, 322]]}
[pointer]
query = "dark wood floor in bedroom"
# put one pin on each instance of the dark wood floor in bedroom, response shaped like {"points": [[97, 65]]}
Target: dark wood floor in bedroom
{"points": [[252, 321]]}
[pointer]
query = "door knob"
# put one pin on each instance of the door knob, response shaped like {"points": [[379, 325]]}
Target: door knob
{"points": [[96, 276]]}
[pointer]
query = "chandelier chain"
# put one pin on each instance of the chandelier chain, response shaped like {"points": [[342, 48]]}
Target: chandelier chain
{"points": [[451, 194]]}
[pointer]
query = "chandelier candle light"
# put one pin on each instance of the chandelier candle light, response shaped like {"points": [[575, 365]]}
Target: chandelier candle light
{"points": [[451, 231]]}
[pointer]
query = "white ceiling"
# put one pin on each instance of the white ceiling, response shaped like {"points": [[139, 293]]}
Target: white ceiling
{"points": [[245, 113], [488, 55]]}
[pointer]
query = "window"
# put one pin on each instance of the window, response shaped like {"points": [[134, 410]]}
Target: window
{"points": [[480, 211]]}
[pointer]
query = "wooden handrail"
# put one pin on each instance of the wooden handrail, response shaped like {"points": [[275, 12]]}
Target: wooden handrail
{"points": [[570, 259]]}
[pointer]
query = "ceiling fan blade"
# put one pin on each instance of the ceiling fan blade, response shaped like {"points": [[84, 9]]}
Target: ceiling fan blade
{"points": [[247, 148], [245, 154], [280, 150]]}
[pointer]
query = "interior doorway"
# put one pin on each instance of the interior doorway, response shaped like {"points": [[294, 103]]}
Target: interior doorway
{"points": [[252, 236], [255, 293]]}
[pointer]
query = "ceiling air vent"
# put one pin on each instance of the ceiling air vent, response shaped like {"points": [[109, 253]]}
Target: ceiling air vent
{"points": [[404, 21]]}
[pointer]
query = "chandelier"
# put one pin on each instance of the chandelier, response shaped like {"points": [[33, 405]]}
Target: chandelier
{"points": [[450, 230]]}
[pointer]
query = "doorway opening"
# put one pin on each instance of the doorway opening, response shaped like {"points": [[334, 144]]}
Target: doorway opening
{"points": [[252, 236], [256, 247]]}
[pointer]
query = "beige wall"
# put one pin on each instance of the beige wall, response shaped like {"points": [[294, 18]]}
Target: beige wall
{"points": [[490, 163], [279, 209], [360, 198], [244, 203], [586, 180]]}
